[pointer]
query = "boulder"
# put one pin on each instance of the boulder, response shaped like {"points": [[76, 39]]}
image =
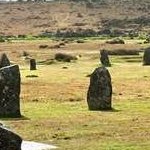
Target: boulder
{"points": [[99, 94], [116, 41], [104, 58], [4, 61], [9, 140], [64, 57], [10, 91]]}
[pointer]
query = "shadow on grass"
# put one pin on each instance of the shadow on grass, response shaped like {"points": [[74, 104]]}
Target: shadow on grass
{"points": [[106, 110], [14, 118]]}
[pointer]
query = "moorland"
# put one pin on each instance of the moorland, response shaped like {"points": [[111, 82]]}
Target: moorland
{"points": [[53, 97]]}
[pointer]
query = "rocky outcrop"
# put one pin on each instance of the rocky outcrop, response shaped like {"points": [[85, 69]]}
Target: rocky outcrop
{"points": [[4, 61], [146, 57], [32, 64], [104, 58], [99, 94], [10, 91], [9, 140]]}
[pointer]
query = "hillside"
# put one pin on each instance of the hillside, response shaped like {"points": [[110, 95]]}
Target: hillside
{"points": [[118, 17]]}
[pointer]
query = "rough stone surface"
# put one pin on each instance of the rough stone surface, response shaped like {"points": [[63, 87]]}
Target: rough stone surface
{"points": [[4, 61], [9, 140], [104, 58], [99, 94], [32, 64], [10, 91], [146, 57]]}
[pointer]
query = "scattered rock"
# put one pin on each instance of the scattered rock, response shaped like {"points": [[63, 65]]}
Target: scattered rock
{"points": [[25, 54], [35, 100], [9, 140], [79, 15], [43, 46], [64, 57], [80, 41], [4, 61], [104, 58], [80, 55], [115, 41], [10, 91], [64, 67], [55, 46], [67, 138], [99, 94], [62, 44]]}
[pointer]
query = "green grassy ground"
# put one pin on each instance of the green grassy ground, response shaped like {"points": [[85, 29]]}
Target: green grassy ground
{"points": [[55, 109]]}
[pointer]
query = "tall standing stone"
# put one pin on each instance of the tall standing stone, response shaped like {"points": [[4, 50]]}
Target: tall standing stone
{"points": [[10, 91], [4, 61], [146, 57], [99, 94], [104, 58], [9, 140], [32, 64]]}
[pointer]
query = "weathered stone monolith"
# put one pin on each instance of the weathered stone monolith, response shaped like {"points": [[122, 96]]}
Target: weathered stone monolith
{"points": [[9, 140], [104, 58], [10, 91], [32, 64], [4, 61], [146, 57], [99, 94]]}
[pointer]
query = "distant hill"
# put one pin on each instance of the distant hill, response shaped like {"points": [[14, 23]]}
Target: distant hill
{"points": [[118, 17]]}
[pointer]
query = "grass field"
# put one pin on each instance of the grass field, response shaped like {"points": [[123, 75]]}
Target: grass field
{"points": [[54, 103]]}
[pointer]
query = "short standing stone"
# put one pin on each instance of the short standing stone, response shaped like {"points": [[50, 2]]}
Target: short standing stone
{"points": [[32, 64], [10, 91], [99, 94], [4, 61], [146, 57], [9, 140], [104, 58]]}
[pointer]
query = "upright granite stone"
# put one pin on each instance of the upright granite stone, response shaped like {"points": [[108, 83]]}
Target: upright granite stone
{"points": [[4, 61], [104, 58], [10, 91], [99, 94], [146, 57], [32, 64], [9, 140]]}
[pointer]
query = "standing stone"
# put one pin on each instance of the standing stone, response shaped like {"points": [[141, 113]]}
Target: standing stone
{"points": [[10, 91], [9, 140], [32, 64], [4, 61], [104, 58], [146, 57], [100, 90]]}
